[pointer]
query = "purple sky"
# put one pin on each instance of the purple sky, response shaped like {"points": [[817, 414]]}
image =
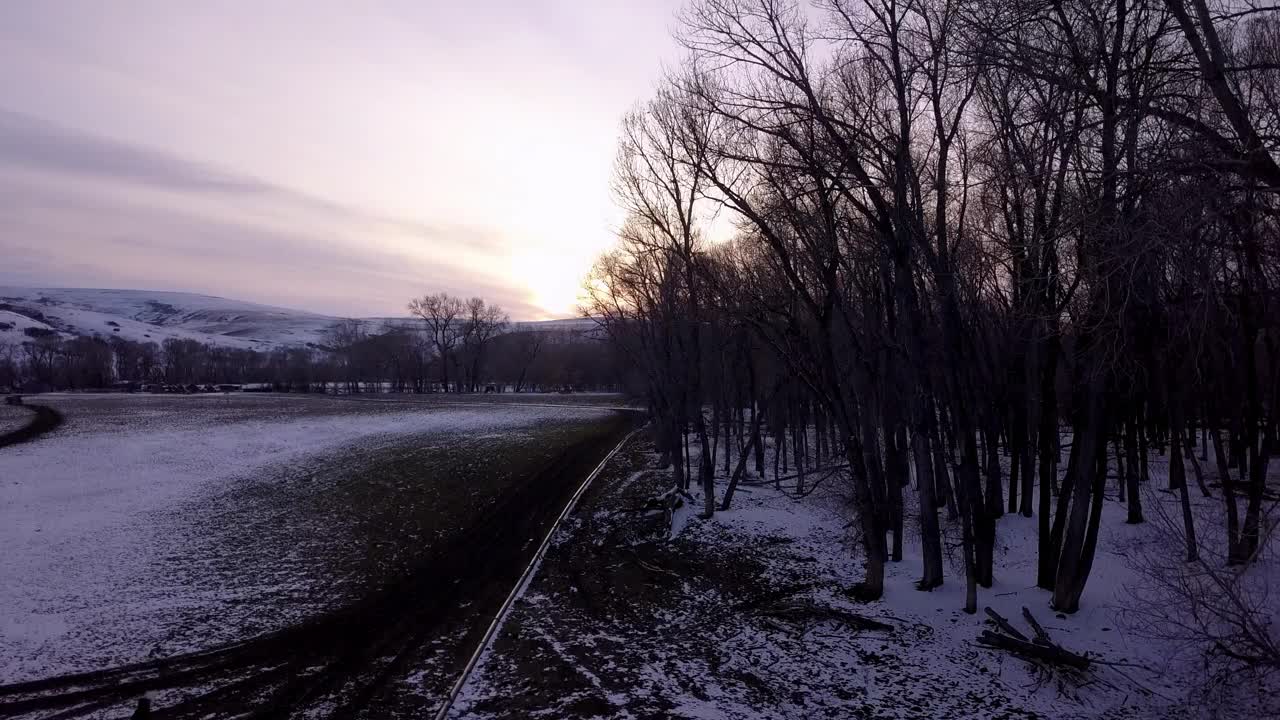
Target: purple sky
{"points": [[332, 156]]}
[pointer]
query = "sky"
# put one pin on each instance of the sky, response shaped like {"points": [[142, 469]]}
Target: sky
{"points": [[333, 156]]}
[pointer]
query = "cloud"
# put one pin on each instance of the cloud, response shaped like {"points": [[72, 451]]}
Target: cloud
{"points": [[37, 145], [76, 234], [30, 143], [246, 263]]}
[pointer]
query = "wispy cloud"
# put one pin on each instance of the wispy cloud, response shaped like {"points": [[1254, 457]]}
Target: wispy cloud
{"points": [[36, 145], [435, 145], [77, 233]]}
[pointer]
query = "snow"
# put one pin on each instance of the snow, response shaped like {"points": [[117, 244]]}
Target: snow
{"points": [[155, 316], [86, 512], [701, 656], [13, 327], [949, 658]]}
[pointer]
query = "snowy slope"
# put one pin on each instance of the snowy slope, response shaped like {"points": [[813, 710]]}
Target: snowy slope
{"points": [[155, 316], [13, 327]]}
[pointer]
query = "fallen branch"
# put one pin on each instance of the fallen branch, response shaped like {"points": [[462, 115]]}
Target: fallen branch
{"points": [[1041, 636], [813, 471], [666, 503], [798, 612], [1051, 654], [774, 597], [1042, 649], [654, 568], [1005, 626]]}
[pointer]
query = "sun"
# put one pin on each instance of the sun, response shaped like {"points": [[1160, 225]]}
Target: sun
{"points": [[553, 280]]}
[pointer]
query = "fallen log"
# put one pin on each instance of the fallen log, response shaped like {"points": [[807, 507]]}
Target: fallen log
{"points": [[1043, 649], [1051, 654]]}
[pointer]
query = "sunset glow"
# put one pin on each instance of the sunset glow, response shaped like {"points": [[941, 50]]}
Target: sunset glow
{"points": [[318, 155]]}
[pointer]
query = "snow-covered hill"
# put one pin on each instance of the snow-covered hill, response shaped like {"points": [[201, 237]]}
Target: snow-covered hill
{"points": [[154, 316], [157, 316], [14, 328]]}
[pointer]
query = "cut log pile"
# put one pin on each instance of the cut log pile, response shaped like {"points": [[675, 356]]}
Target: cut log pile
{"points": [[1040, 648]]}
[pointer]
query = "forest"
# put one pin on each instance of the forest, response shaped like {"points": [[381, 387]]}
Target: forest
{"points": [[972, 259]]}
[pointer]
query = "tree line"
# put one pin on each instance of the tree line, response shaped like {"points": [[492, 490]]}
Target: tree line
{"points": [[932, 246], [455, 345]]}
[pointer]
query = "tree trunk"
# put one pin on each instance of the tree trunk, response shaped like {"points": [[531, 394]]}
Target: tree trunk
{"points": [[741, 467], [941, 468], [995, 477], [1131, 471], [1015, 466], [970, 501], [1087, 456], [930, 533], [1047, 435], [1177, 467], [872, 587], [1195, 465], [896, 444], [1234, 556]]}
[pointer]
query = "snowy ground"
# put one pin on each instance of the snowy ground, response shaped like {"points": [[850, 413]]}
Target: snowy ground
{"points": [[157, 524], [624, 621]]}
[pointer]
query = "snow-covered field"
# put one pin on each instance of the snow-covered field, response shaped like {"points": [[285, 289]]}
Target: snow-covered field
{"points": [[738, 617], [12, 418], [106, 524]]}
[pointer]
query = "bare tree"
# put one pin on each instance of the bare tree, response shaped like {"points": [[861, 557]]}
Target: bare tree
{"points": [[344, 339], [443, 316], [483, 321]]}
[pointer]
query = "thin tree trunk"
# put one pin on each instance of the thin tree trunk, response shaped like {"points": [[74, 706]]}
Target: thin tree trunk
{"points": [[930, 533], [1131, 472], [1177, 467]]}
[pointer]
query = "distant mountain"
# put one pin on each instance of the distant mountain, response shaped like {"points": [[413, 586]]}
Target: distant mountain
{"points": [[154, 316]]}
